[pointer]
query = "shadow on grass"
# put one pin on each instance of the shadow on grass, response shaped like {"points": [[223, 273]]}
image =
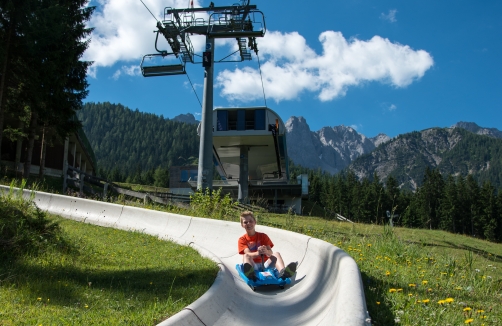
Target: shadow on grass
{"points": [[380, 313], [67, 286], [448, 244]]}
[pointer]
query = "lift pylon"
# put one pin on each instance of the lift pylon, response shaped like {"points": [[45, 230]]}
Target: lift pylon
{"points": [[240, 21]]}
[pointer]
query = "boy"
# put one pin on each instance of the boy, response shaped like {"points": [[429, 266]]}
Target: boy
{"points": [[254, 244]]}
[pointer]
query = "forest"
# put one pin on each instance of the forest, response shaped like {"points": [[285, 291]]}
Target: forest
{"points": [[454, 204], [140, 147], [42, 83], [137, 147]]}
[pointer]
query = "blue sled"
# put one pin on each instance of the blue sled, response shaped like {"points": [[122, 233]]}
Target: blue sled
{"points": [[270, 276]]}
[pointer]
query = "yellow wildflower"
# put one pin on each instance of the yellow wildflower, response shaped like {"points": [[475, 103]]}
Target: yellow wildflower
{"points": [[480, 311], [412, 285], [449, 300], [387, 273], [392, 290], [424, 282], [441, 302], [399, 290], [426, 301], [467, 309], [468, 321]]}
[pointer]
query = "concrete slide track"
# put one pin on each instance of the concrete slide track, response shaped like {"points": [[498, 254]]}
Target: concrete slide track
{"points": [[327, 289]]}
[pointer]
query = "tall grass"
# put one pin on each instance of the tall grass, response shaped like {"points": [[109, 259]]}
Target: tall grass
{"points": [[416, 277], [55, 271]]}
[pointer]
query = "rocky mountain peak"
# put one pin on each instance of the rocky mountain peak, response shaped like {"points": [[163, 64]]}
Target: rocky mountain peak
{"points": [[330, 148], [474, 128], [186, 118]]}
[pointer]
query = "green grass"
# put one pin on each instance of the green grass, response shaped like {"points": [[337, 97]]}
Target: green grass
{"points": [[99, 276], [414, 276], [142, 188], [410, 276]]}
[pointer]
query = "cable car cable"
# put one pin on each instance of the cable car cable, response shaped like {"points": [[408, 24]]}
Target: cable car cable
{"points": [[193, 88], [262, 86], [148, 10]]}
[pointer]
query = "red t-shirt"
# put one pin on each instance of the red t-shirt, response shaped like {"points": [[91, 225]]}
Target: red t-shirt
{"points": [[253, 242]]}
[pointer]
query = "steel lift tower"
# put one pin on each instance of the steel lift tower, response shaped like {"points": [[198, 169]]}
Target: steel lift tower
{"points": [[241, 21]]}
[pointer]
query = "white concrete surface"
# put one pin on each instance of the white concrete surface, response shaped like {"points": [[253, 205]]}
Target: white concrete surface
{"points": [[327, 289]]}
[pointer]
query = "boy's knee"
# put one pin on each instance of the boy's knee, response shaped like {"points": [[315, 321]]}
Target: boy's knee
{"points": [[247, 256]]}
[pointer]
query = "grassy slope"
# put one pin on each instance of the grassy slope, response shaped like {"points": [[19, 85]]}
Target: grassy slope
{"points": [[109, 277], [409, 273]]}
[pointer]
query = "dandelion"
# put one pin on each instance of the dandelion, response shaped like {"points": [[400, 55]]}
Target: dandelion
{"points": [[444, 273], [399, 290], [426, 301], [479, 311], [449, 300], [412, 285], [378, 302], [392, 290], [410, 294], [441, 302], [369, 245], [387, 273], [467, 309], [86, 306], [468, 321], [39, 299], [425, 282], [458, 288], [482, 317], [429, 290]]}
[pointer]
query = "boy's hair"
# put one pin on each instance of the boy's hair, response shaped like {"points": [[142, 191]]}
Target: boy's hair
{"points": [[247, 213]]}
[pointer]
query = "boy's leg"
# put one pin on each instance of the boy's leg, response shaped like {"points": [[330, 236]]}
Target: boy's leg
{"points": [[248, 268], [249, 271], [288, 271], [277, 260]]}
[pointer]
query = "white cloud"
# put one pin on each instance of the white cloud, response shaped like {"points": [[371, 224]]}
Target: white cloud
{"points": [[392, 107], [292, 67], [123, 31], [391, 16], [127, 70]]}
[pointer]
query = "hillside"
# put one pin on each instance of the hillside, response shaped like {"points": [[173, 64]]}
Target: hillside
{"points": [[453, 151], [134, 144]]}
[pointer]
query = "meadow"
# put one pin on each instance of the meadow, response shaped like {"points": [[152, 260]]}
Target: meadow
{"points": [[410, 276], [56, 271]]}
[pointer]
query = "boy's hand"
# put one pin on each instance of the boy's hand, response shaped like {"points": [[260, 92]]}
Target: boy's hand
{"points": [[263, 250]]}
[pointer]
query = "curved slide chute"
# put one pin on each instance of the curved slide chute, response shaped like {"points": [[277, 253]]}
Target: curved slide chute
{"points": [[327, 289]]}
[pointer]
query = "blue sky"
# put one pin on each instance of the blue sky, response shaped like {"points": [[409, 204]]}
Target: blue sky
{"points": [[379, 66]]}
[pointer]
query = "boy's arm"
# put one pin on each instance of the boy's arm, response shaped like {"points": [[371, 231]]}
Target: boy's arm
{"points": [[265, 250], [252, 254]]}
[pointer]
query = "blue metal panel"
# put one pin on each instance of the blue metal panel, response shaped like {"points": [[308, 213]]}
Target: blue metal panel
{"points": [[222, 120], [241, 119], [259, 119]]}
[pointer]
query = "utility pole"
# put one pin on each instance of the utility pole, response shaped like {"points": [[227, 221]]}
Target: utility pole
{"points": [[242, 22]]}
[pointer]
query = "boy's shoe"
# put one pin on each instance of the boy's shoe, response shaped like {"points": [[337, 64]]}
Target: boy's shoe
{"points": [[288, 271], [249, 272]]}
